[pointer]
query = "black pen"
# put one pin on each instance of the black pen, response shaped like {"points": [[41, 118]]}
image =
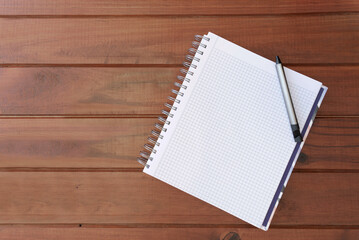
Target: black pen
{"points": [[288, 101]]}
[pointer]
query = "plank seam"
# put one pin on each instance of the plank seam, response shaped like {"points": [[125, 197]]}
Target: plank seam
{"points": [[119, 116], [20, 16], [139, 169], [151, 65], [171, 225]]}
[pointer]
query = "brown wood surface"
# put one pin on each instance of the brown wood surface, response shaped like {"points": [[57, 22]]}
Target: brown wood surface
{"points": [[82, 81], [114, 143], [55, 233], [172, 7], [113, 91], [136, 198], [152, 40]]}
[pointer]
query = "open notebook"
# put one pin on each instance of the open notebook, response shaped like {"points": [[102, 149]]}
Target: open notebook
{"points": [[226, 138]]}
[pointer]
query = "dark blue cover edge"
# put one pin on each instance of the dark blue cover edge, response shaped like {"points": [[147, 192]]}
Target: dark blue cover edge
{"points": [[286, 172]]}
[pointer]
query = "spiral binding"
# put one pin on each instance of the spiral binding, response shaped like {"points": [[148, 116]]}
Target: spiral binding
{"points": [[145, 156]]}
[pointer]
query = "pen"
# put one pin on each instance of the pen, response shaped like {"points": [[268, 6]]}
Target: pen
{"points": [[288, 101]]}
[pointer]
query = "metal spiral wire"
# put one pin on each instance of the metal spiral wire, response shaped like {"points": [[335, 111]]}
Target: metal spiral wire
{"points": [[160, 126]]}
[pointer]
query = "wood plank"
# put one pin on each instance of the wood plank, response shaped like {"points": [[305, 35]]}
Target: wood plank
{"points": [[332, 144], [61, 91], [79, 143], [171, 7], [52, 233], [115, 143], [164, 40], [91, 90], [136, 198]]}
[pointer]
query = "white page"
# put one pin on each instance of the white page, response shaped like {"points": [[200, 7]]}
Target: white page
{"points": [[230, 141]]}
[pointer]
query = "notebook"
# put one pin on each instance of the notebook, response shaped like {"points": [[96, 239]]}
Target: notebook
{"points": [[225, 136]]}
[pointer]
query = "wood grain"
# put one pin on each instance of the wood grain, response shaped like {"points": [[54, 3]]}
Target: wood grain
{"points": [[171, 7], [164, 40], [108, 91], [109, 143], [85, 91], [54, 233], [81, 80], [80, 143], [136, 198]]}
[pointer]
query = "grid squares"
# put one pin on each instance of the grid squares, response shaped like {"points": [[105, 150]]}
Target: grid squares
{"points": [[229, 148]]}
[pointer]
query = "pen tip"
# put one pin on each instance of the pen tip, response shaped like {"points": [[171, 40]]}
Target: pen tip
{"points": [[277, 59]]}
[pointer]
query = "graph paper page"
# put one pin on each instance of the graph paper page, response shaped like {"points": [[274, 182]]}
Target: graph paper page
{"points": [[230, 141]]}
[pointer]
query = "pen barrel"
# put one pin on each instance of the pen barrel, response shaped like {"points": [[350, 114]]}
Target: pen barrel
{"points": [[286, 95]]}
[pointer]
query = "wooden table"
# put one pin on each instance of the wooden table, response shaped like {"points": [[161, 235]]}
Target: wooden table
{"points": [[81, 84]]}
